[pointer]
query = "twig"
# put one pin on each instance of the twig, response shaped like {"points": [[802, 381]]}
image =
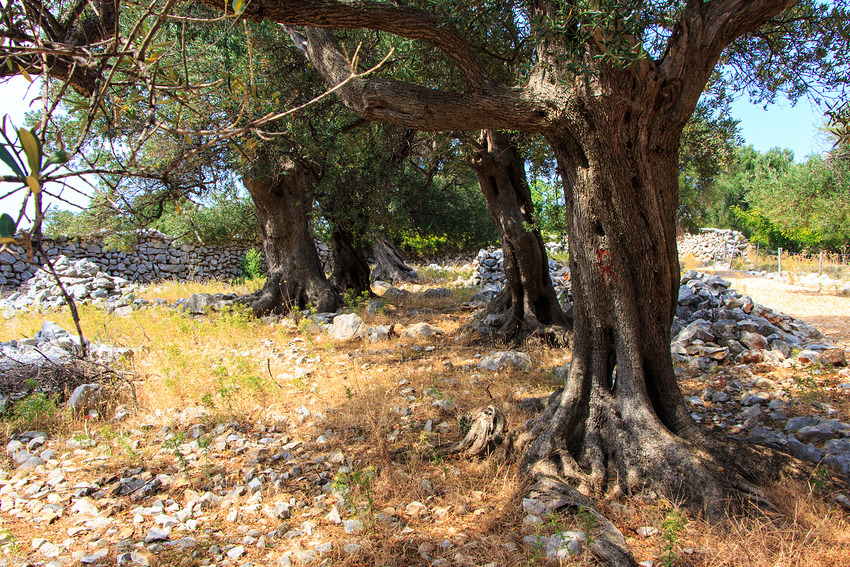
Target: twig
{"points": [[68, 299]]}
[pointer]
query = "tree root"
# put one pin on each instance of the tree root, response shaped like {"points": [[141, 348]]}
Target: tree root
{"points": [[279, 298], [606, 542], [488, 433], [591, 458], [499, 321]]}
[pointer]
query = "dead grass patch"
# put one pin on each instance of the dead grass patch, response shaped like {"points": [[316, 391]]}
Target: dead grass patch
{"points": [[374, 401]]}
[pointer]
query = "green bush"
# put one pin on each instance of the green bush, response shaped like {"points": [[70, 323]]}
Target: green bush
{"points": [[252, 266], [36, 411]]}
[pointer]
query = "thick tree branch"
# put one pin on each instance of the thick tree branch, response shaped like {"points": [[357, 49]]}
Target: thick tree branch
{"points": [[394, 18], [70, 55], [696, 45], [420, 108]]}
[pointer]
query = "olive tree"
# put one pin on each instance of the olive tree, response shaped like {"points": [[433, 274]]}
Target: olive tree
{"points": [[612, 85]]}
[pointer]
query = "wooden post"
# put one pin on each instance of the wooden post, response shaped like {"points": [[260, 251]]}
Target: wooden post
{"points": [[820, 263], [779, 257], [757, 255]]}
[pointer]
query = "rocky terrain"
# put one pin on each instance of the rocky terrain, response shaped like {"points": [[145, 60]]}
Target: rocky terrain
{"points": [[362, 475], [173, 487]]}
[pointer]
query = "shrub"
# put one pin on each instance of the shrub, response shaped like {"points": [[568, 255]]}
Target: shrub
{"points": [[252, 265], [36, 411]]}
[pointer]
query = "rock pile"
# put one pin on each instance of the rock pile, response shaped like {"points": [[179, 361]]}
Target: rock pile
{"points": [[713, 245], [489, 267], [489, 273], [82, 279], [715, 324], [45, 364], [51, 345]]}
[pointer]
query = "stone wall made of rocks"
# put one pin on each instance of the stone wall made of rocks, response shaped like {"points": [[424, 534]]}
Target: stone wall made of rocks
{"points": [[155, 257], [489, 271], [713, 245]]}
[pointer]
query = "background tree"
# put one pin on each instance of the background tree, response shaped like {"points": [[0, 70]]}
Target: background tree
{"points": [[529, 302], [708, 142], [790, 205]]}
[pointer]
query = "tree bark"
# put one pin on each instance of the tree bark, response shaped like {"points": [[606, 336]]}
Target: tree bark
{"points": [[350, 267], [621, 424], [70, 42], [531, 301], [295, 270], [390, 265]]}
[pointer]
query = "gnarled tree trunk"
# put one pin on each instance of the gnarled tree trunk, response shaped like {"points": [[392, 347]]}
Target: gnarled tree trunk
{"points": [[530, 300], [296, 277], [621, 423], [390, 265], [350, 268]]}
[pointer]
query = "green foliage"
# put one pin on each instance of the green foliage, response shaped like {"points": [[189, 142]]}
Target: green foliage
{"points": [[706, 152], [448, 215], [251, 266], [424, 245], [809, 202], [354, 301], [7, 226], [173, 444], [464, 424], [36, 411], [672, 527], [790, 205], [10, 161], [588, 522], [356, 487], [224, 219], [549, 213], [838, 126], [759, 229], [819, 478]]}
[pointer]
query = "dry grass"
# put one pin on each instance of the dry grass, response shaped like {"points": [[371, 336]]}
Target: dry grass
{"points": [[689, 262], [172, 290], [243, 371], [800, 264]]}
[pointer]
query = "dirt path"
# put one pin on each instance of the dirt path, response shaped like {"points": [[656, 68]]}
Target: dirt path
{"points": [[828, 312]]}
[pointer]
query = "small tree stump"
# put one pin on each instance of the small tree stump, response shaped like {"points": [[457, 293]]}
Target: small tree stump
{"points": [[487, 433]]}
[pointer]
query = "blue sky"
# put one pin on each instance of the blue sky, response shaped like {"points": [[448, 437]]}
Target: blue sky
{"points": [[782, 125]]}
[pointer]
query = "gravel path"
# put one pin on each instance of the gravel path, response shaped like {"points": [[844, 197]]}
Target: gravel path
{"points": [[828, 312]]}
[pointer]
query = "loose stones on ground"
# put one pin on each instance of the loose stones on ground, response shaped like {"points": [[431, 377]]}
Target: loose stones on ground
{"points": [[716, 324], [83, 280]]}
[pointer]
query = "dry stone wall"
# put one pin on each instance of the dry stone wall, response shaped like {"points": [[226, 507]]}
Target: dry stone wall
{"points": [[154, 257], [713, 245]]}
